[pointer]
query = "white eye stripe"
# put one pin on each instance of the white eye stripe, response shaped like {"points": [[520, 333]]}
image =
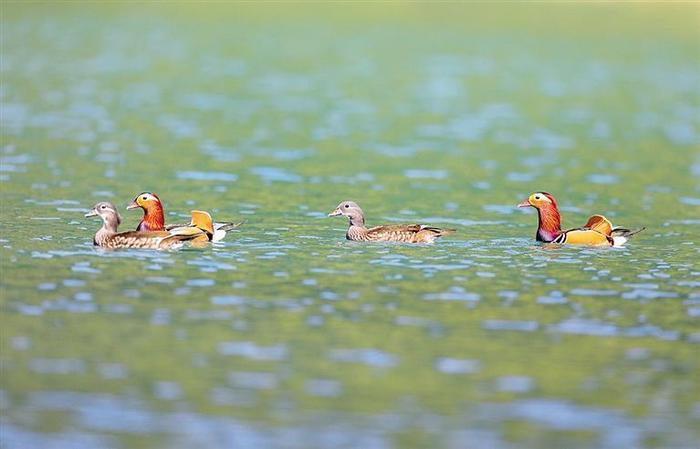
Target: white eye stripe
{"points": [[540, 197]]}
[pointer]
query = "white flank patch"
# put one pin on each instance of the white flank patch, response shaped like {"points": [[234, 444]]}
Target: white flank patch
{"points": [[619, 240]]}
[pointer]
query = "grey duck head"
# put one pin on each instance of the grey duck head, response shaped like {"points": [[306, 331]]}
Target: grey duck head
{"points": [[108, 212], [351, 210]]}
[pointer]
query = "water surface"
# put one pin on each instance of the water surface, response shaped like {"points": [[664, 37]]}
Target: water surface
{"points": [[286, 335]]}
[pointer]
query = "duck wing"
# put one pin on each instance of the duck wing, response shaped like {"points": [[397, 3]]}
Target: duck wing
{"points": [[186, 234], [596, 231], [136, 239], [617, 236], [192, 234], [155, 239], [600, 224], [220, 228], [583, 236], [410, 233]]}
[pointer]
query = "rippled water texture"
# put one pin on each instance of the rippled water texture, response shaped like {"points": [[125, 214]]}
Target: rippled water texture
{"points": [[285, 335]]}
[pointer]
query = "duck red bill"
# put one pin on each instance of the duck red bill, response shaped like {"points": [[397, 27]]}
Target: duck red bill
{"points": [[133, 205], [525, 203]]}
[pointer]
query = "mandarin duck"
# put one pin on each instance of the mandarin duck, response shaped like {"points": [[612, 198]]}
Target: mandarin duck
{"points": [[154, 217], [108, 237], [597, 231], [412, 233]]}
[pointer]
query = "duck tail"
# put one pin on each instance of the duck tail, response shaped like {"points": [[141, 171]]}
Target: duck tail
{"points": [[227, 226], [439, 232], [220, 229], [621, 235]]}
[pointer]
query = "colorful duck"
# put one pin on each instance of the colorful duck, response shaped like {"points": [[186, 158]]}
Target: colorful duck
{"points": [[412, 233], [154, 217], [108, 237], [597, 231]]}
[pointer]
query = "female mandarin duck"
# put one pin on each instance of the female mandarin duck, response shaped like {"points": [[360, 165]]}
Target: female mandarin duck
{"points": [[597, 231], [413, 233], [154, 217], [108, 237]]}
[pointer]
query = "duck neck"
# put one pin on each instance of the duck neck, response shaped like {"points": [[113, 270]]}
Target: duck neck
{"points": [[549, 224], [357, 229], [153, 219], [108, 229], [357, 221]]}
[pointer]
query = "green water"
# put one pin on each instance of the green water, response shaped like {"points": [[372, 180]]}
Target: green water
{"points": [[285, 335]]}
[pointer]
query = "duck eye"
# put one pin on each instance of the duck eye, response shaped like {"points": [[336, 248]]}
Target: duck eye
{"points": [[144, 198], [103, 207], [347, 205], [537, 197]]}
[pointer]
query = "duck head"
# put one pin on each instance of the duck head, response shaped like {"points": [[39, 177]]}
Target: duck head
{"points": [[539, 200], [145, 201], [108, 213], [549, 219], [351, 210], [153, 213]]}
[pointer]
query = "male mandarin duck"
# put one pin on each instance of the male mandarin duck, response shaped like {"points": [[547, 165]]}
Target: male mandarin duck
{"points": [[108, 237], [412, 233], [154, 217], [597, 231]]}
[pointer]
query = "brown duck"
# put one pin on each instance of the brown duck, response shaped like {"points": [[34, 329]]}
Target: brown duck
{"points": [[412, 233], [108, 237]]}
